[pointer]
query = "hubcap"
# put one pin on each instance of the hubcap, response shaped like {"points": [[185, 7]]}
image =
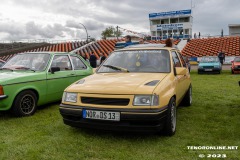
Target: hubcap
{"points": [[190, 95], [173, 116], [27, 104]]}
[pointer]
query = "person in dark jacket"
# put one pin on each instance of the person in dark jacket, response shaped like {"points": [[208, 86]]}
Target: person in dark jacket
{"points": [[93, 60], [128, 41], [221, 56]]}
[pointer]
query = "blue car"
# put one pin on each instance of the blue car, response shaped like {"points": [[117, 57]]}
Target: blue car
{"points": [[209, 64]]}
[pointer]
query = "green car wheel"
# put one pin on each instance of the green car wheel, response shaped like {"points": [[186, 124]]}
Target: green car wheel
{"points": [[25, 104]]}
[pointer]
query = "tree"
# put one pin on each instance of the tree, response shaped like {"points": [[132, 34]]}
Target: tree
{"points": [[111, 32]]}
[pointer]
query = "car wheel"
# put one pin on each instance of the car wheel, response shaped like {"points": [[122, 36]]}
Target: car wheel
{"points": [[25, 104], [170, 124], [187, 100]]}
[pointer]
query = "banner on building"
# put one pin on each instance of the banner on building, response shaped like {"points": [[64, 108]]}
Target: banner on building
{"points": [[176, 26], [170, 14]]}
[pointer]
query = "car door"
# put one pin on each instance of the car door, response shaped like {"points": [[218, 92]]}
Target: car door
{"points": [[180, 88], [59, 80], [80, 68], [187, 80]]}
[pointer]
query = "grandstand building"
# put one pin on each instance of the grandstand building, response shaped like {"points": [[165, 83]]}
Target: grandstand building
{"points": [[234, 29], [172, 24]]}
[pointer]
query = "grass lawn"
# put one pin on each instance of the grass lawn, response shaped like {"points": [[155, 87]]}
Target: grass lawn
{"points": [[212, 120]]}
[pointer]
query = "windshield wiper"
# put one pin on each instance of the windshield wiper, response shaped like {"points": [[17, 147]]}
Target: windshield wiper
{"points": [[26, 68], [6, 69], [116, 68]]}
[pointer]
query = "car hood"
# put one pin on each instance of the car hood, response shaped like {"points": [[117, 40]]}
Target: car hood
{"points": [[9, 77], [236, 63], [118, 83], [209, 64]]}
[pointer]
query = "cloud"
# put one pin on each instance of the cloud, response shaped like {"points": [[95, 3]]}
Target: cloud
{"points": [[61, 18], [32, 30]]}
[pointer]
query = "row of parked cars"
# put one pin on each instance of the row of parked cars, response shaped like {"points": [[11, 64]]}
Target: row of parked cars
{"points": [[137, 88], [211, 64]]}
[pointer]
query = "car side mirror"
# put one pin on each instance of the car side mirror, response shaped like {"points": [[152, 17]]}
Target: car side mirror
{"points": [[54, 69], [181, 71]]}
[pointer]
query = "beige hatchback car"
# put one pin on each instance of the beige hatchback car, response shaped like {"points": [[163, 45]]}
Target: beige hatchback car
{"points": [[136, 89]]}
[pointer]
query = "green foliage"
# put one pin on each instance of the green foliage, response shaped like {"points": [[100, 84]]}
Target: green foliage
{"points": [[111, 32], [212, 120]]}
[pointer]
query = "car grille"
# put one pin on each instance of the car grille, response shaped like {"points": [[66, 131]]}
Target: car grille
{"points": [[105, 101], [208, 67]]}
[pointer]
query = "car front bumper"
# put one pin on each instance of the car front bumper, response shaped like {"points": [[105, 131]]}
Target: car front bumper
{"points": [[3, 97], [142, 120], [212, 70]]}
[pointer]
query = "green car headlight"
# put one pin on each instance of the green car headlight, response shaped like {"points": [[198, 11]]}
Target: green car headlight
{"points": [[70, 97], [146, 100], [200, 67]]}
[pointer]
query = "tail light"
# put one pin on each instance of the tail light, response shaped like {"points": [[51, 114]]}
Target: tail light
{"points": [[1, 90]]}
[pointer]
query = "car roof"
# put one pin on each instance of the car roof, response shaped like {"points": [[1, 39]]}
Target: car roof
{"points": [[71, 53], [147, 46], [210, 56]]}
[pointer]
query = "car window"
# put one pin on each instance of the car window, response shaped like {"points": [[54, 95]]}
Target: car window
{"points": [[31, 61], [153, 61], [62, 62], [176, 59], [237, 59], [77, 63], [182, 60], [209, 59]]}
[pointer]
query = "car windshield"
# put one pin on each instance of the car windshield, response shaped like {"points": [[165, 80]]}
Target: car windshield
{"points": [[209, 59], [153, 61], [237, 59], [28, 61]]}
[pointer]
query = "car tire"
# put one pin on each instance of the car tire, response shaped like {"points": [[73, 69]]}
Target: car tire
{"points": [[187, 100], [25, 104], [171, 119]]}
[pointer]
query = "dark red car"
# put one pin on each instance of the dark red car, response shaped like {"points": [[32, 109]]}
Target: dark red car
{"points": [[235, 68]]}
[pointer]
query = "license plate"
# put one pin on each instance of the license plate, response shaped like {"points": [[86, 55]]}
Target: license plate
{"points": [[208, 69], [101, 115]]}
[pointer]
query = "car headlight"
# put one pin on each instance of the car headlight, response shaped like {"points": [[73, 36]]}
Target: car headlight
{"points": [[146, 100], [80, 81], [200, 67], [216, 66], [70, 97]]}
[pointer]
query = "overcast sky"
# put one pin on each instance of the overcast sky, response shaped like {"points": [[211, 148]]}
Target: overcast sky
{"points": [[59, 19]]}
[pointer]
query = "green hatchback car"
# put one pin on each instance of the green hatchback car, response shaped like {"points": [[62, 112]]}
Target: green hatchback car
{"points": [[32, 79]]}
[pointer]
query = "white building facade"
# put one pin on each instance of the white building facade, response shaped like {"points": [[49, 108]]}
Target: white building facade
{"points": [[172, 24]]}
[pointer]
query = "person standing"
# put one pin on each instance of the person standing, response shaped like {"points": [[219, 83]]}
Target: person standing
{"points": [[93, 60], [199, 35], [83, 55], [221, 56], [102, 58], [128, 41], [169, 43]]}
